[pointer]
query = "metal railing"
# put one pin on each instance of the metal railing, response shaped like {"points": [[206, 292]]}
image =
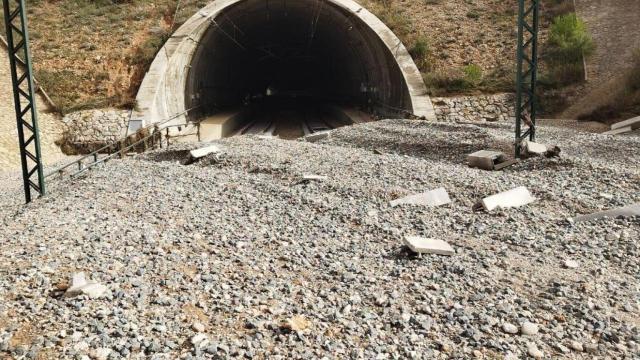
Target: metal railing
{"points": [[144, 139]]}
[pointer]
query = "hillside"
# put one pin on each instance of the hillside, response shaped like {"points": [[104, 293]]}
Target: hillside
{"points": [[91, 54], [615, 28], [94, 53]]}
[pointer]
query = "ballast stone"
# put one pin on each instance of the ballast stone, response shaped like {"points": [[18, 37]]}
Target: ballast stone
{"points": [[437, 197], [422, 245], [517, 197]]}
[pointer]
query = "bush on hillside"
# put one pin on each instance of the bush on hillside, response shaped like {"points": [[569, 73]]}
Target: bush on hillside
{"points": [[421, 53], [473, 74], [569, 42]]}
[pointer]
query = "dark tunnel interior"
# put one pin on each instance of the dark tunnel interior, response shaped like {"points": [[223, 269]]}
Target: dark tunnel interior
{"points": [[289, 54]]}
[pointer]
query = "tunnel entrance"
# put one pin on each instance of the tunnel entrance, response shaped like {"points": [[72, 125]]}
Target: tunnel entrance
{"points": [[302, 58]]}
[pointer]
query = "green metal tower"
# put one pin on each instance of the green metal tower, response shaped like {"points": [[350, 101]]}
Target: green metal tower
{"points": [[15, 21], [526, 107]]}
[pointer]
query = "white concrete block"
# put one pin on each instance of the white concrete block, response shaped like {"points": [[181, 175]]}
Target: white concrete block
{"points": [[422, 245], [618, 131], [513, 198], [80, 285], [321, 135], [437, 197], [633, 123], [627, 211], [535, 148], [202, 152], [311, 177]]}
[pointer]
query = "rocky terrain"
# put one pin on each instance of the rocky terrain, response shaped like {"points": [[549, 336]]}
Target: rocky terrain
{"points": [[233, 256]]}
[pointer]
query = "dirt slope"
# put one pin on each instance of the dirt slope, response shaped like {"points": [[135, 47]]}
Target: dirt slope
{"points": [[615, 27], [50, 125]]}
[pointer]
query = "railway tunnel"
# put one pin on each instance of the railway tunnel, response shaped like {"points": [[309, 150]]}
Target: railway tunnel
{"points": [[289, 67]]}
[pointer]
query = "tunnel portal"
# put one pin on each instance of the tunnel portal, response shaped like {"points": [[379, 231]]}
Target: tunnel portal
{"points": [[275, 56]]}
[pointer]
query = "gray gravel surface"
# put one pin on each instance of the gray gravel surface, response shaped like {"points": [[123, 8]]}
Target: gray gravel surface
{"points": [[234, 257]]}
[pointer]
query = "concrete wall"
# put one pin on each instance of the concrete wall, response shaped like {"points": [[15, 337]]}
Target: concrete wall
{"points": [[499, 107], [162, 93]]}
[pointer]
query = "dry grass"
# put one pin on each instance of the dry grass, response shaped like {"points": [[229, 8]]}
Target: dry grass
{"points": [[622, 101], [94, 53]]}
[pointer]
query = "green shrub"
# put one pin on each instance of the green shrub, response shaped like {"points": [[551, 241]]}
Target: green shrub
{"points": [[422, 54], [473, 74], [569, 42]]}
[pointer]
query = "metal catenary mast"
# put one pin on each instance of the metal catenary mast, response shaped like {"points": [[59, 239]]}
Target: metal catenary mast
{"points": [[24, 100]]}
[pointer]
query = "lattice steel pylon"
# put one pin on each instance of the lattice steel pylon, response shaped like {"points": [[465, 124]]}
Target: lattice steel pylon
{"points": [[526, 107], [23, 95]]}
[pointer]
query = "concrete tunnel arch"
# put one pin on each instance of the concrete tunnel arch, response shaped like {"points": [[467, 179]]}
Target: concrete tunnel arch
{"points": [[226, 51]]}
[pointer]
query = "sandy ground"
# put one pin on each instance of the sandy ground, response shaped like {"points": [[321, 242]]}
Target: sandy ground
{"points": [[50, 125]]}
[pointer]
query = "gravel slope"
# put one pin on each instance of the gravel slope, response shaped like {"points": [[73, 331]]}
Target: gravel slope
{"points": [[233, 243]]}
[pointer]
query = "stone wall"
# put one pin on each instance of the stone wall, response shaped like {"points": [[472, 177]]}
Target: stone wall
{"points": [[89, 130], [500, 107]]}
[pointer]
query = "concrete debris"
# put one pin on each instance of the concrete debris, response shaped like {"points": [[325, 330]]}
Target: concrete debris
{"points": [[311, 177], [320, 135], [422, 245], [513, 198], [437, 197], [100, 353], [198, 327], [633, 124], [199, 340], [80, 286], [624, 127], [571, 264], [618, 131], [202, 152], [489, 160], [485, 159], [534, 148], [296, 323], [627, 211]]}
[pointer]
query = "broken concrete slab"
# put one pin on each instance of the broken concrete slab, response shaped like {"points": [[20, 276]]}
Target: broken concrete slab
{"points": [[517, 197], [489, 160], [534, 148], [627, 211], [81, 286], [311, 177], [422, 245], [633, 123], [320, 135], [202, 152], [618, 131], [437, 197], [485, 159]]}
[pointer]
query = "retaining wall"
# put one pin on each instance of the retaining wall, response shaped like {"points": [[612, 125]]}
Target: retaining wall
{"points": [[493, 108], [89, 130]]}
